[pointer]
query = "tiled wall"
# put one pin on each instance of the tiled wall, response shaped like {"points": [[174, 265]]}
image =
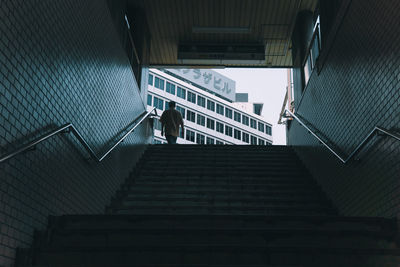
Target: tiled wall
{"points": [[61, 61], [357, 89]]}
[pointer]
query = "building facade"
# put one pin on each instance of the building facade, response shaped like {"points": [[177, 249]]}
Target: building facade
{"points": [[210, 117]]}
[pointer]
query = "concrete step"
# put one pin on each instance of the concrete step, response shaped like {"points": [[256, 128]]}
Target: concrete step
{"points": [[220, 148], [196, 166], [338, 223], [232, 255], [221, 198], [293, 162], [170, 201], [131, 203], [222, 172], [220, 157], [266, 188], [271, 210], [148, 236], [224, 180], [212, 191]]}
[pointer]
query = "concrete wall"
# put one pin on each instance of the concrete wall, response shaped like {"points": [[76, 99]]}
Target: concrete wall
{"points": [[356, 89], [61, 61]]}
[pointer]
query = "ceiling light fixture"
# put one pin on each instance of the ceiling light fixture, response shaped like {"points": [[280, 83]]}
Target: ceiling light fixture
{"points": [[199, 29]]}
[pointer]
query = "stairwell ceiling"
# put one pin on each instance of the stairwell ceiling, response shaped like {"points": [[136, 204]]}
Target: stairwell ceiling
{"points": [[269, 22]]}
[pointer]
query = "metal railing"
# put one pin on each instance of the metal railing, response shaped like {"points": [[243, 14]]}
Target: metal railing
{"points": [[313, 51], [376, 130], [69, 127]]}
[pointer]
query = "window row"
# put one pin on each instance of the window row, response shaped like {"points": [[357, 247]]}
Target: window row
{"points": [[201, 139], [228, 130], [211, 105]]}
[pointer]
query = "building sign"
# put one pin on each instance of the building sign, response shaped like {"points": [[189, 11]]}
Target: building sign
{"points": [[210, 80]]}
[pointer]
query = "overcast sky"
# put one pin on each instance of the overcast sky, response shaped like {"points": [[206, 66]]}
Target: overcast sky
{"points": [[267, 86]]}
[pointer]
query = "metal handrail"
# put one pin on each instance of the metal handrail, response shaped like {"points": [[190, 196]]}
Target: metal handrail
{"points": [[69, 127], [357, 149], [311, 43]]}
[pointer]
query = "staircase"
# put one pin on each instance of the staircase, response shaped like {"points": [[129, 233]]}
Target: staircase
{"points": [[191, 205]]}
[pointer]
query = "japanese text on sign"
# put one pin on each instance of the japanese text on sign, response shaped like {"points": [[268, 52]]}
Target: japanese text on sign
{"points": [[210, 80]]}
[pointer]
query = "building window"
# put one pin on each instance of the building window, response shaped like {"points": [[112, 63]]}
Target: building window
{"points": [[159, 83], [157, 125], [210, 141], [181, 93], [220, 127], [201, 120], [261, 142], [236, 116], [158, 103], [181, 132], [210, 124], [253, 123], [217, 142], [210, 105], [261, 126], [149, 100], [200, 139], [237, 134], [253, 140], [245, 120], [191, 97], [268, 130], [190, 135], [245, 138], [150, 79], [220, 109], [228, 130], [190, 116], [181, 110], [170, 88], [228, 113], [201, 101], [157, 142], [268, 144]]}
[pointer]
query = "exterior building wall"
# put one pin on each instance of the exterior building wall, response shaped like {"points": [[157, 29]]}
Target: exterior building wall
{"points": [[61, 61], [356, 89], [265, 135]]}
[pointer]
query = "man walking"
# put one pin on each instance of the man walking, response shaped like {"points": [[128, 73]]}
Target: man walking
{"points": [[171, 119]]}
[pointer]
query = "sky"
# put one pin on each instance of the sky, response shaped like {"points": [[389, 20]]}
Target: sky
{"points": [[266, 86]]}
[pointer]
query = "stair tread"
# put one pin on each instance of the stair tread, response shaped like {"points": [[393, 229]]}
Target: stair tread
{"points": [[191, 205], [235, 247]]}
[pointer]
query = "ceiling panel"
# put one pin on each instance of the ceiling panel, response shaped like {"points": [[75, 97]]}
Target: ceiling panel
{"points": [[270, 22]]}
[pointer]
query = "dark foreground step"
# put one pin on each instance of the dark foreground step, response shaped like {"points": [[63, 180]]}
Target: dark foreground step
{"points": [[231, 255], [264, 179], [221, 210], [226, 221], [183, 202], [250, 236], [133, 191], [224, 180], [211, 199], [148, 186], [217, 161], [223, 172]]}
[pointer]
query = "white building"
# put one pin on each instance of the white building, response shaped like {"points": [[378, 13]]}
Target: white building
{"points": [[206, 100]]}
